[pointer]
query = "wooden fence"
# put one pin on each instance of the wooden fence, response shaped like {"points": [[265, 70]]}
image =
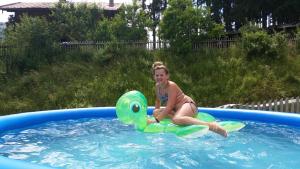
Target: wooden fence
{"points": [[291, 105]]}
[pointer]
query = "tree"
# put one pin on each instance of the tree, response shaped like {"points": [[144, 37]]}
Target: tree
{"points": [[75, 22], [34, 43], [221, 11], [236, 13], [128, 24], [287, 11], [183, 25], [155, 10]]}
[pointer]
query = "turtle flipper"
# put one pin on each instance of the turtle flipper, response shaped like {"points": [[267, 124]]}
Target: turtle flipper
{"points": [[231, 126]]}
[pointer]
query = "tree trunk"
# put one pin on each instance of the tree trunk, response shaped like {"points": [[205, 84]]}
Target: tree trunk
{"points": [[154, 36], [264, 19]]}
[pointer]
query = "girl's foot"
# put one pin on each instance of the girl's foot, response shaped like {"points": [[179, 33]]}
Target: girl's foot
{"points": [[217, 129]]}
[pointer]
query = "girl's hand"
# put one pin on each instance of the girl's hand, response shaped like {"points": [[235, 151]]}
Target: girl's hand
{"points": [[149, 121], [159, 114], [156, 112]]}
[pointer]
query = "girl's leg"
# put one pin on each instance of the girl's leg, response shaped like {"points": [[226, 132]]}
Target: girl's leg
{"points": [[185, 116]]}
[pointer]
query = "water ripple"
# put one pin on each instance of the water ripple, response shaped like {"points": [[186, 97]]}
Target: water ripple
{"points": [[104, 143]]}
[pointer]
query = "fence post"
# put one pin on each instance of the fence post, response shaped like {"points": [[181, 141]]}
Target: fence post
{"points": [[281, 105], [246, 106], [286, 105], [252, 106], [297, 105], [276, 105], [270, 105], [264, 105], [292, 105]]}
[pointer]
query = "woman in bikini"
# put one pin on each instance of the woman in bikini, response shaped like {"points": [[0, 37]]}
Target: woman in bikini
{"points": [[178, 106]]}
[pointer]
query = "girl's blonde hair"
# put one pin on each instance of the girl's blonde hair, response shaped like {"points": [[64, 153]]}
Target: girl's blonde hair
{"points": [[159, 65]]}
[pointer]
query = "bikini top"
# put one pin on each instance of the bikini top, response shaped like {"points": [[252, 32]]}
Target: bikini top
{"points": [[163, 97]]}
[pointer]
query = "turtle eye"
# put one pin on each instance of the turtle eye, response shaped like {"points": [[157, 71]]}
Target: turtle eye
{"points": [[135, 107]]}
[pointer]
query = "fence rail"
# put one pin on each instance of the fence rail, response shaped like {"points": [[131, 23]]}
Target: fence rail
{"points": [[291, 105], [149, 45], [100, 45]]}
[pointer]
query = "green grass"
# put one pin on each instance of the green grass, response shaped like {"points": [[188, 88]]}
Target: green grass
{"points": [[212, 77]]}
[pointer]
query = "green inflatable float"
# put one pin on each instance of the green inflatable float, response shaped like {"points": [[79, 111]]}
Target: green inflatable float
{"points": [[131, 108]]}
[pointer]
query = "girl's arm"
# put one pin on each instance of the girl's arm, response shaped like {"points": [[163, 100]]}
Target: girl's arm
{"points": [[157, 104], [157, 101], [156, 110], [172, 92]]}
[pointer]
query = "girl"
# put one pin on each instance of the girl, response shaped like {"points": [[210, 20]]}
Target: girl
{"points": [[178, 106]]}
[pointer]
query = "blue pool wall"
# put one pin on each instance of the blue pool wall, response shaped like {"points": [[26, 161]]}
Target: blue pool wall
{"points": [[15, 121], [21, 120]]}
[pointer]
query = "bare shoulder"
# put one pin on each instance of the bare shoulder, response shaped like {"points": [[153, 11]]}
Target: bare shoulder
{"points": [[173, 85]]}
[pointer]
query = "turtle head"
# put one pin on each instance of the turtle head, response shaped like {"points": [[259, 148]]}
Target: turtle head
{"points": [[131, 108]]}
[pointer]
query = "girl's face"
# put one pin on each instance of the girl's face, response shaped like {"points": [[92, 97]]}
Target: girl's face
{"points": [[160, 76]]}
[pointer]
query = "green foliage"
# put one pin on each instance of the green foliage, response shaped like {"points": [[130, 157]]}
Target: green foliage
{"points": [[33, 42], [104, 31], [79, 83], [35, 39], [280, 43], [298, 40], [261, 68], [182, 25], [259, 85], [154, 11], [72, 22], [2, 66], [128, 25], [258, 44], [238, 13], [216, 77], [250, 28], [212, 77]]}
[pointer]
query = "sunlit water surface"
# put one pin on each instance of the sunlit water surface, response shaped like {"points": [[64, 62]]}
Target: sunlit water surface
{"points": [[106, 143]]}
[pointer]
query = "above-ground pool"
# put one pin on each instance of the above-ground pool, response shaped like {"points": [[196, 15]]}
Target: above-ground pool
{"points": [[94, 138]]}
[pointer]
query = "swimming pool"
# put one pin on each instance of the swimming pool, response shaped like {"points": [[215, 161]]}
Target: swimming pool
{"points": [[211, 150]]}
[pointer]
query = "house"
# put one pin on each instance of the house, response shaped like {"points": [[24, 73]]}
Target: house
{"points": [[44, 8]]}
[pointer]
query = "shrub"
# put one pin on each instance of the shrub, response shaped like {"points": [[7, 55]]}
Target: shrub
{"points": [[33, 41], [183, 25], [280, 45], [258, 44], [298, 40], [261, 84]]}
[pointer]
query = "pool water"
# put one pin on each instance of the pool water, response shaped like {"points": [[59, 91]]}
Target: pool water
{"points": [[107, 143]]}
